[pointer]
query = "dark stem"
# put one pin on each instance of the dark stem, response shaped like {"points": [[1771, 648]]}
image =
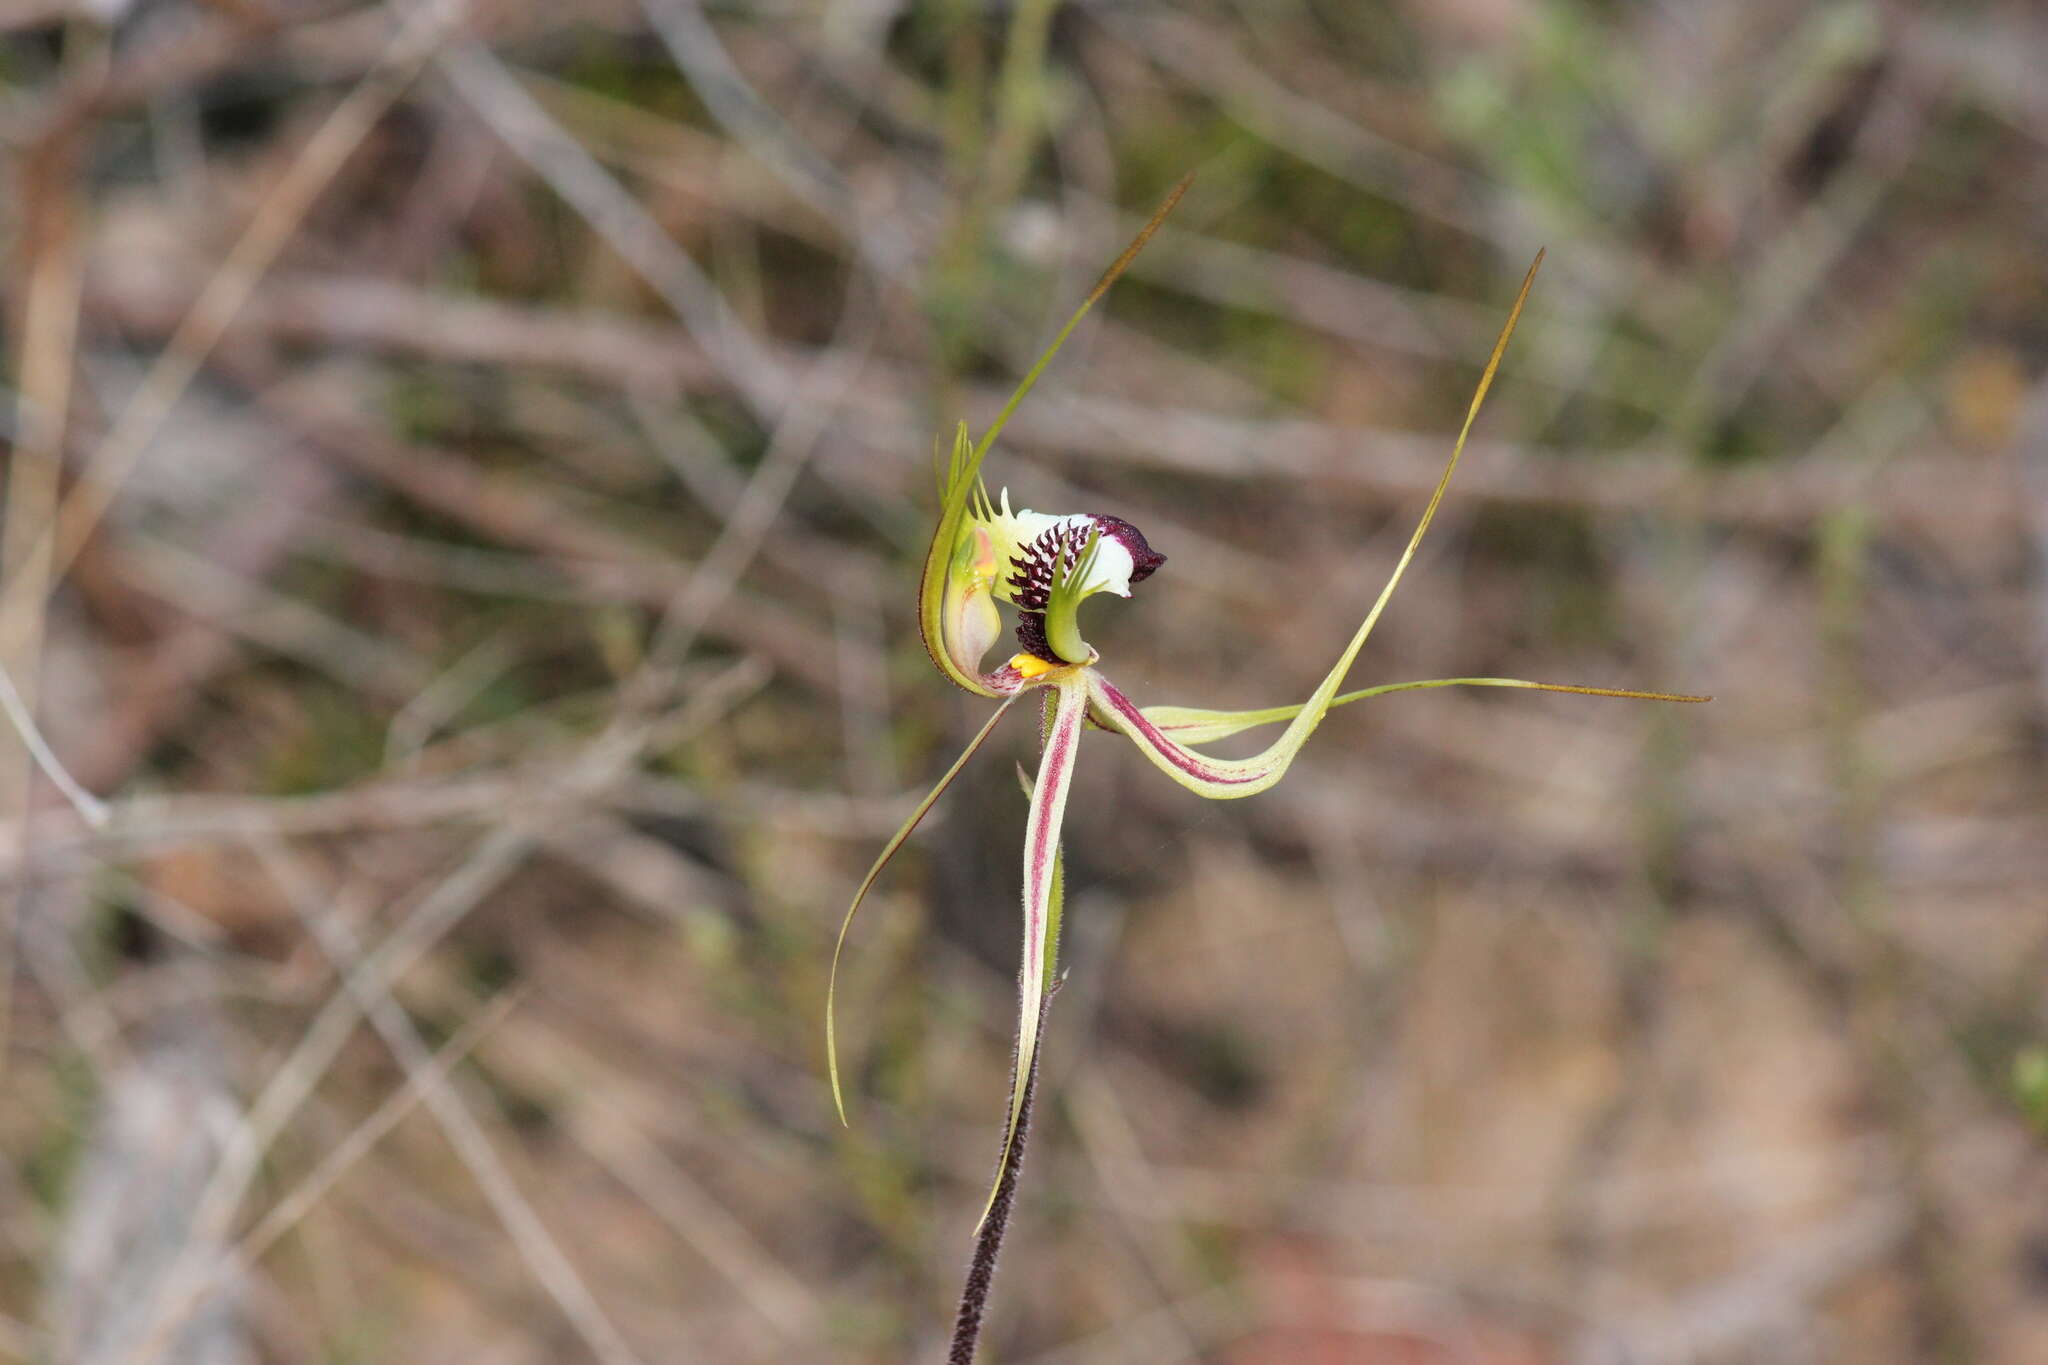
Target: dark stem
{"points": [[981, 1271]]}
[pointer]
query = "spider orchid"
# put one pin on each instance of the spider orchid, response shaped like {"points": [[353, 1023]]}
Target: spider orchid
{"points": [[1045, 567]]}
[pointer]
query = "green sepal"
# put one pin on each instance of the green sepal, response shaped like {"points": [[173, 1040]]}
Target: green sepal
{"points": [[1197, 725], [1229, 778], [896, 841], [1043, 890]]}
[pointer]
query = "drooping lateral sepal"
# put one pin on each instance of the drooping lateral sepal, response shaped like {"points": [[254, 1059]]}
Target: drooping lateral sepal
{"points": [[1042, 878], [896, 842]]}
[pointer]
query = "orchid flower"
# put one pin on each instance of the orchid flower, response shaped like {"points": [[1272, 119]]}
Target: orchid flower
{"points": [[1045, 566]]}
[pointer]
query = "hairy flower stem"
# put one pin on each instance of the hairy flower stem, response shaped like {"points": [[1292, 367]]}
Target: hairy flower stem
{"points": [[995, 1219], [981, 1271]]}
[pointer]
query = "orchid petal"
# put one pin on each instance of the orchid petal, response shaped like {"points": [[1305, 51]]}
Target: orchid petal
{"points": [[956, 485], [1195, 725], [1042, 887], [896, 841], [1225, 778]]}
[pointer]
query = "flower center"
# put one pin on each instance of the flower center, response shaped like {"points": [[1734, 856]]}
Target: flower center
{"points": [[1058, 546], [1069, 560]]}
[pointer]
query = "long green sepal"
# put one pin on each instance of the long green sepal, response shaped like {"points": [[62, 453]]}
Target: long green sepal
{"points": [[896, 841], [1109, 277], [1197, 725], [1042, 886], [1225, 778]]}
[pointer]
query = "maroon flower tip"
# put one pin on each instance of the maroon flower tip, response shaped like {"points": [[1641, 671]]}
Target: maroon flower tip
{"points": [[1144, 559]]}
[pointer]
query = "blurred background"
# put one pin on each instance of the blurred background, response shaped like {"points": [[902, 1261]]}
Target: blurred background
{"points": [[467, 469]]}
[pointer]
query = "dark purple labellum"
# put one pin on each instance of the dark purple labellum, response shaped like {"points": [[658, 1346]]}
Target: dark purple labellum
{"points": [[1031, 637], [1036, 564], [1032, 583], [1144, 559]]}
